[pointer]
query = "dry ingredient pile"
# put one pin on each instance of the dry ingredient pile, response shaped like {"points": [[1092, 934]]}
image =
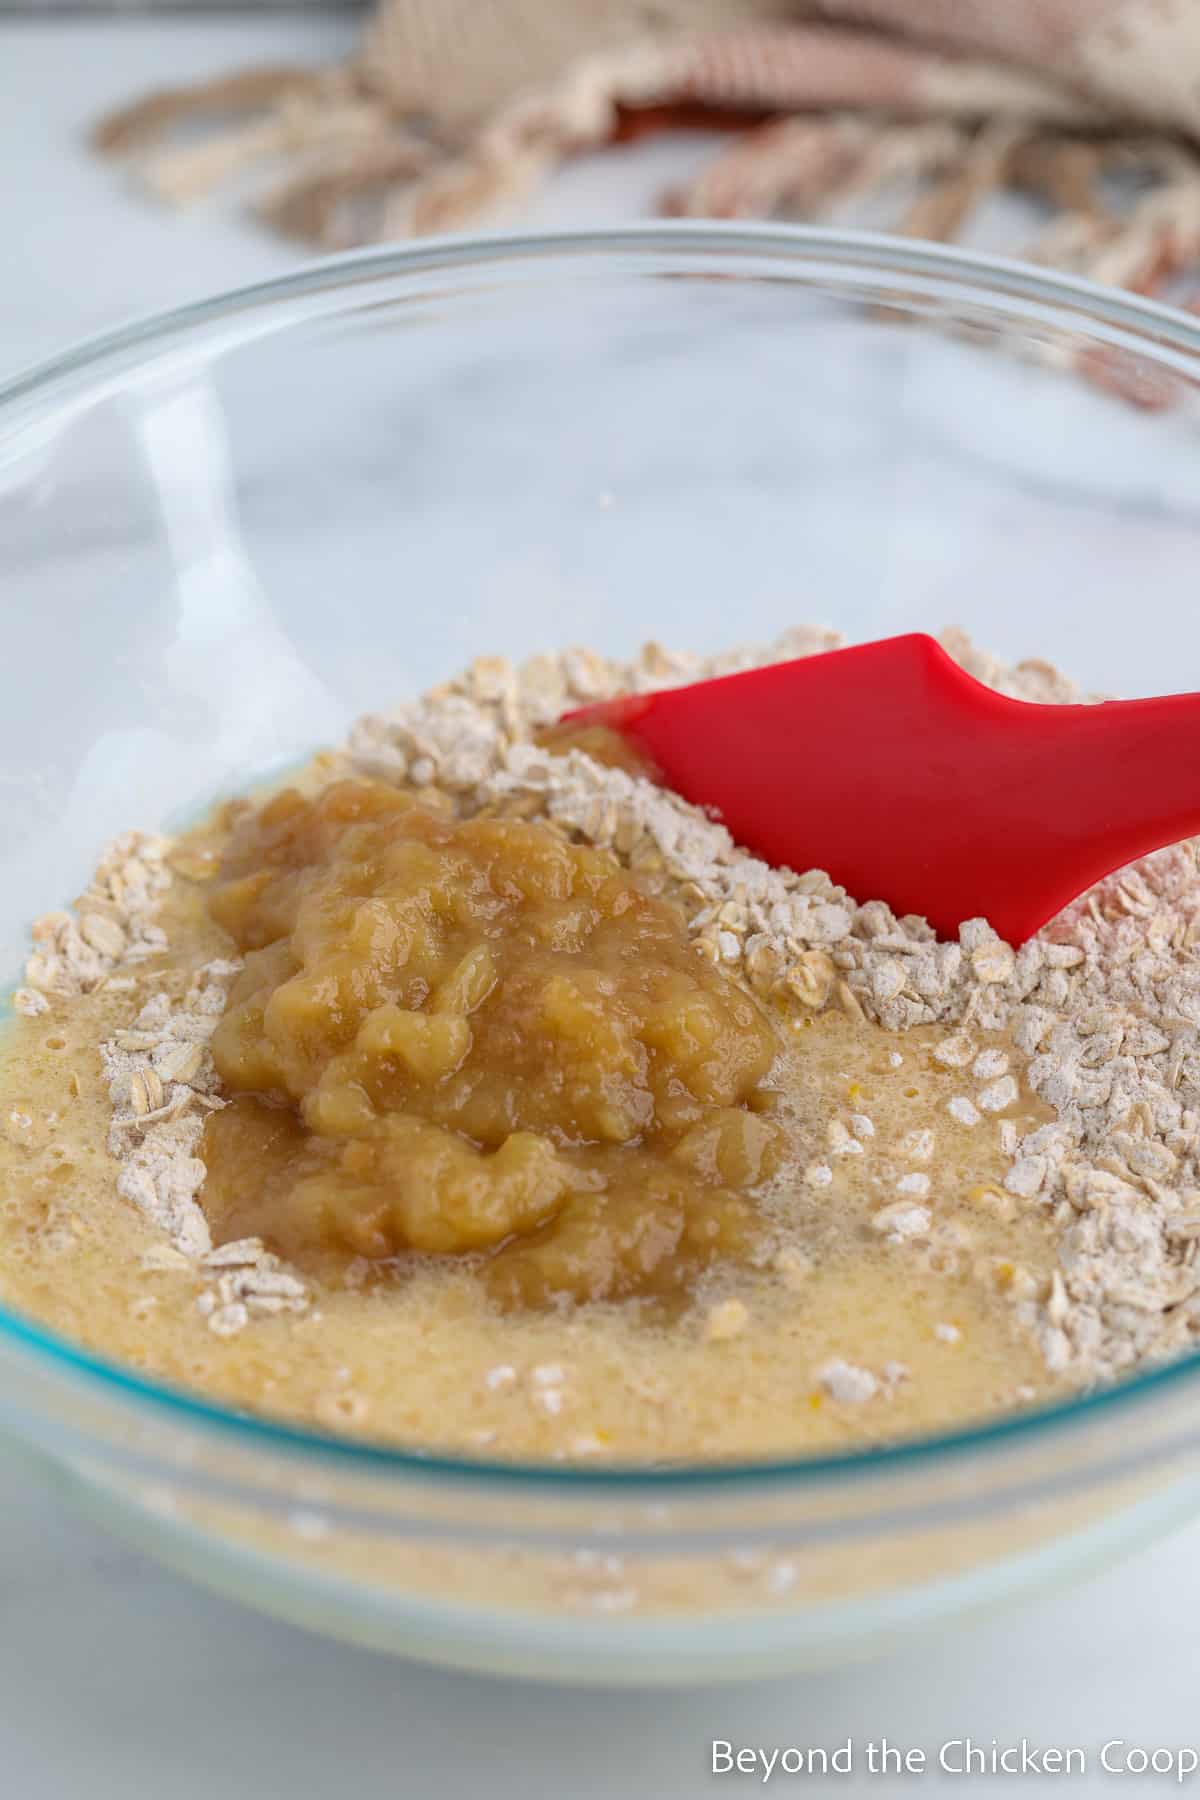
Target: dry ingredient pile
{"points": [[967, 1180]]}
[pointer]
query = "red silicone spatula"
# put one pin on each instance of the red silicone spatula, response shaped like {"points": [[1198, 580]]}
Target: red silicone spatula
{"points": [[909, 781]]}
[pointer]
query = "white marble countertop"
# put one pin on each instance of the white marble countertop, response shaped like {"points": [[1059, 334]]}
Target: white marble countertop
{"points": [[117, 1678], [82, 252]]}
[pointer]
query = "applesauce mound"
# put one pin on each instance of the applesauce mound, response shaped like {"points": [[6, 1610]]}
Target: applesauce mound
{"points": [[472, 1036]]}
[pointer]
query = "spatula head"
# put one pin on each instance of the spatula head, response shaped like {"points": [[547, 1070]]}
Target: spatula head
{"points": [[909, 781]]}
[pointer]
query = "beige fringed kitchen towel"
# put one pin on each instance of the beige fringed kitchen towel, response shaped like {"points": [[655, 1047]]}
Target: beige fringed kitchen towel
{"points": [[454, 107]]}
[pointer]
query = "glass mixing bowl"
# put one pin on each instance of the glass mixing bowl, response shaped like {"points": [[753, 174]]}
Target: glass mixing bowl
{"points": [[229, 530]]}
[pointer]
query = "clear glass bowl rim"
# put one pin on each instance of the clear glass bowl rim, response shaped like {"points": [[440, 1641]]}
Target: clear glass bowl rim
{"points": [[1150, 329]]}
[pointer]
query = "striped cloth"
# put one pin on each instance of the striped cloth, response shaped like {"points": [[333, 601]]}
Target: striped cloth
{"points": [[454, 108]]}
